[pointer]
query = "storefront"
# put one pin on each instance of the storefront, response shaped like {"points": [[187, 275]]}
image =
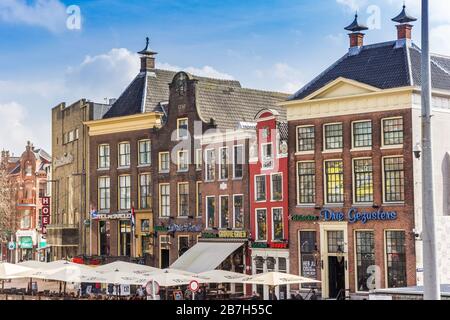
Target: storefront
{"points": [[353, 251], [26, 244]]}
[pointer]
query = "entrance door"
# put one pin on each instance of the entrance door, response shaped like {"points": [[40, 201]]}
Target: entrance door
{"points": [[165, 260], [336, 275]]}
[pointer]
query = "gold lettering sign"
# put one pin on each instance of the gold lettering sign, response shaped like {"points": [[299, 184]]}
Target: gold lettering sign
{"points": [[232, 234]]}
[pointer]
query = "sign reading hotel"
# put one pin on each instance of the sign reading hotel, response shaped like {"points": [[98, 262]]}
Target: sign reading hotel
{"points": [[45, 213], [352, 216], [112, 216]]}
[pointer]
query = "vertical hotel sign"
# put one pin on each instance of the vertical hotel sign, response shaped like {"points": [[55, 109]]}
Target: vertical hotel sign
{"points": [[45, 214]]}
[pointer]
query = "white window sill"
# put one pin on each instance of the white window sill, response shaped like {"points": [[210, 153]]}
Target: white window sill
{"points": [[123, 168], [164, 171], [332, 151], [306, 205], [392, 204], [360, 149], [304, 153], [103, 169], [396, 146], [147, 165], [333, 205]]}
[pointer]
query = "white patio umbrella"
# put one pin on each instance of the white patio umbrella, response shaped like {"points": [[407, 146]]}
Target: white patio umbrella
{"points": [[169, 278], [125, 267], [11, 271], [33, 264], [220, 276], [117, 278], [277, 279]]}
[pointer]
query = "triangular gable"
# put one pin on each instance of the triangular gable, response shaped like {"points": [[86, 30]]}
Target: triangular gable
{"points": [[341, 87]]}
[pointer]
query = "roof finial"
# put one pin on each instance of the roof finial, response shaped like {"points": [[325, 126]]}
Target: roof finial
{"points": [[355, 26], [146, 51], [403, 17]]}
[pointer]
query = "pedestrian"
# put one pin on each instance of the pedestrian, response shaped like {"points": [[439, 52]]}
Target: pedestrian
{"points": [[255, 296]]}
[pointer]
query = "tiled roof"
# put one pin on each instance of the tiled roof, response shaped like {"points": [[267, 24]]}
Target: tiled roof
{"points": [[384, 66], [229, 105], [223, 100]]}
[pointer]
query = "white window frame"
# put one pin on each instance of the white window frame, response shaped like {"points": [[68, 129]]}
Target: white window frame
{"points": [[108, 164], [265, 186], [325, 149], [140, 175], [297, 186], [149, 152], [207, 213], [198, 159], [119, 185], [297, 151], [179, 120], [256, 225], [282, 222], [207, 178], [353, 137], [221, 164], [108, 203], [198, 209], [271, 186], [325, 186], [383, 182], [160, 154], [186, 160], [160, 198], [354, 181], [243, 213], [178, 199], [220, 210], [392, 146], [128, 159], [242, 160], [263, 158]]}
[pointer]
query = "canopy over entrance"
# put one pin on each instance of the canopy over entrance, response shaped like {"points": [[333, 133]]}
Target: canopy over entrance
{"points": [[205, 256]]}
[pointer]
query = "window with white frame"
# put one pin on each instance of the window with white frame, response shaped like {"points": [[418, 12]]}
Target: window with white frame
{"points": [[125, 192], [183, 199], [277, 187], [362, 134], [306, 182], [124, 154], [260, 188], [210, 212], [267, 156], [238, 211], [333, 136], [223, 164], [164, 200], [183, 160], [238, 161], [363, 180], [394, 179], [145, 191], [393, 131], [261, 224], [334, 181], [198, 159], [104, 193], [305, 138], [199, 198], [145, 153], [210, 165], [277, 224], [224, 212], [182, 128], [103, 156], [164, 162]]}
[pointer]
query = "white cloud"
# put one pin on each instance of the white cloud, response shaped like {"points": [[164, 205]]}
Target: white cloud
{"points": [[282, 77], [440, 39], [353, 5], [206, 71], [49, 14], [14, 131]]}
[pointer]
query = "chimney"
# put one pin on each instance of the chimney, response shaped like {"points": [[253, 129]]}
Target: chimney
{"points": [[404, 28], [147, 58], [356, 36]]}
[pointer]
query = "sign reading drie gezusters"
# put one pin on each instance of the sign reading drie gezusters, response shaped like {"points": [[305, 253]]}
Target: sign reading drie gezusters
{"points": [[354, 216]]}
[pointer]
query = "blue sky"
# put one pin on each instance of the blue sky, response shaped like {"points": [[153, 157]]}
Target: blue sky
{"points": [[266, 44]]}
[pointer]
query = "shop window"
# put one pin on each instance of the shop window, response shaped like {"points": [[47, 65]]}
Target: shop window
{"points": [[308, 249], [396, 259], [363, 180], [103, 227], [362, 134], [306, 181], [365, 257], [238, 211], [183, 245], [125, 238], [333, 136], [145, 225], [261, 225], [282, 267], [392, 131], [145, 245], [335, 241], [305, 139], [334, 179], [394, 179]]}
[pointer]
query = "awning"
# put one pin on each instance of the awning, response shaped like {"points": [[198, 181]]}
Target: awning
{"points": [[205, 256]]}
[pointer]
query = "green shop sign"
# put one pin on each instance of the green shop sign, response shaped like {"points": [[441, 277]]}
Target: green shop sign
{"points": [[304, 218], [209, 235], [259, 245], [161, 229], [26, 243]]}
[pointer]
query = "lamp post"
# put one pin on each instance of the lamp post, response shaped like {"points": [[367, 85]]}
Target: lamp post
{"points": [[430, 265]]}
